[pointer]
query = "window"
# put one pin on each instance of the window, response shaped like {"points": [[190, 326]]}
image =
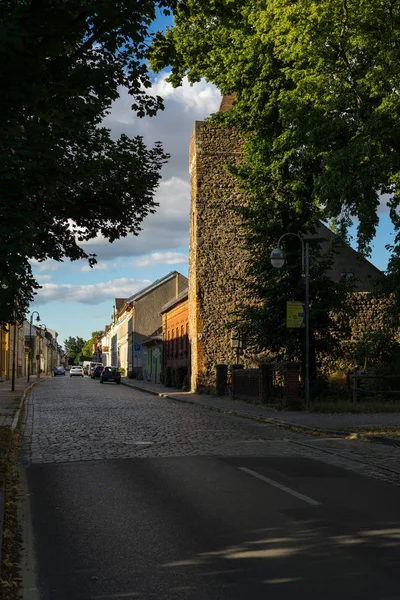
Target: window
{"points": [[177, 342], [347, 275], [183, 341]]}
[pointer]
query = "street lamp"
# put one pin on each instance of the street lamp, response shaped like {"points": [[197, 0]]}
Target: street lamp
{"points": [[42, 327], [277, 261], [30, 341]]}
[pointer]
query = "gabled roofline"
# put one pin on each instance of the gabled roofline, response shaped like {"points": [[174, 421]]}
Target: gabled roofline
{"points": [[152, 286], [346, 245], [179, 298]]}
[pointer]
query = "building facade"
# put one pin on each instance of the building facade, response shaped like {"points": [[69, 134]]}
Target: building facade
{"points": [[175, 332], [217, 253], [145, 308]]}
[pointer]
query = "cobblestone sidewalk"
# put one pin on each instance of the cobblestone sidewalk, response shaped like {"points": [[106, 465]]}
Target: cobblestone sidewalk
{"points": [[10, 401], [321, 421]]}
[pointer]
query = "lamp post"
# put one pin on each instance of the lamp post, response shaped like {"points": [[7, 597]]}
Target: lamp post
{"points": [[278, 260], [30, 341], [42, 327]]}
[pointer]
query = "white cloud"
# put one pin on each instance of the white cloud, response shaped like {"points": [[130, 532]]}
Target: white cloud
{"points": [[97, 267], [166, 230], [43, 277], [160, 258], [90, 294], [47, 265], [174, 125]]}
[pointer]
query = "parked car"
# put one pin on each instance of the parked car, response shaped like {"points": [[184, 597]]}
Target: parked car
{"points": [[96, 372], [76, 372], [110, 374], [86, 365], [92, 366], [59, 371]]}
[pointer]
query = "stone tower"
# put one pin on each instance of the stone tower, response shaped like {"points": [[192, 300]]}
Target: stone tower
{"points": [[216, 249], [216, 253]]}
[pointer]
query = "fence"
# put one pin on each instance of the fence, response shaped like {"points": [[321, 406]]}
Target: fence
{"points": [[366, 386], [269, 383]]}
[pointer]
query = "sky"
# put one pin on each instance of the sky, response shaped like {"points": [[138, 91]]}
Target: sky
{"points": [[75, 299]]}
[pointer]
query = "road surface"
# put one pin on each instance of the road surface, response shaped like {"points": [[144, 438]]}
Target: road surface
{"points": [[132, 496]]}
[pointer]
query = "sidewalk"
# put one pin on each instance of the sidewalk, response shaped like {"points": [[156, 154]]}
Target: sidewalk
{"points": [[313, 421], [10, 401]]}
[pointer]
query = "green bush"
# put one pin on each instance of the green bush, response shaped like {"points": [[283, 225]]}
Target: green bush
{"points": [[122, 371], [132, 374], [168, 377], [179, 376]]}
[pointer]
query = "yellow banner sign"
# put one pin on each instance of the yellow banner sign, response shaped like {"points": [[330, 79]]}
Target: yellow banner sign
{"points": [[294, 315]]}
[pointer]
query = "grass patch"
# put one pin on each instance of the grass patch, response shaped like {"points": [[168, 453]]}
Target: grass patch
{"points": [[10, 580], [341, 406]]}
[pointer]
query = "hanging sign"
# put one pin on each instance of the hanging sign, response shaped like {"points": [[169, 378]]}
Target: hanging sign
{"points": [[294, 315]]}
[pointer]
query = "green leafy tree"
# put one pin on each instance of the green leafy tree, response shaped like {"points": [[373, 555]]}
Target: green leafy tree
{"points": [[316, 95], [64, 179], [73, 347], [262, 316], [87, 350], [317, 82]]}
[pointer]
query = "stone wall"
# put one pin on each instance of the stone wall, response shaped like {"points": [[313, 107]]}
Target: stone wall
{"points": [[216, 250], [368, 315], [217, 253]]}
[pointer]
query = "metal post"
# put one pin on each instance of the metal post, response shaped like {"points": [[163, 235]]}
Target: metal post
{"points": [[307, 319], [30, 348], [40, 358], [13, 359], [305, 264], [1, 351]]}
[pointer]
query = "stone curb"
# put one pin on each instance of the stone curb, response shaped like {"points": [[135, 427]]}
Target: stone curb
{"points": [[276, 422], [12, 428]]}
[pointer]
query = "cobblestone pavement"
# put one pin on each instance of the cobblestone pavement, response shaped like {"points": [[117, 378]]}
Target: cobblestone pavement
{"points": [[74, 419]]}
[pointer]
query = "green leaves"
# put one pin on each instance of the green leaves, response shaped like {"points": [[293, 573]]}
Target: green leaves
{"points": [[61, 67], [317, 85]]}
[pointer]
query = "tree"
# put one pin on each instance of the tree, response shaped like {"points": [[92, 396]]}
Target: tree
{"points": [[315, 88], [87, 350], [317, 84], [64, 179], [73, 347]]}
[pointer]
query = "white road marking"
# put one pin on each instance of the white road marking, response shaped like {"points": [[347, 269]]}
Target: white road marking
{"points": [[281, 487]]}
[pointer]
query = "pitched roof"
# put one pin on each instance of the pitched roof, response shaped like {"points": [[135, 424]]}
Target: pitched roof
{"points": [[226, 102], [179, 298], [119, 302], [153, 286]]}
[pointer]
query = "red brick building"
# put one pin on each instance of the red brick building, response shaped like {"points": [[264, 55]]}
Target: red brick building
{"points": [[175, 332]]}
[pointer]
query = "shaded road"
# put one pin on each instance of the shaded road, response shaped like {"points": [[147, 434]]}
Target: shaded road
{"points": [[133, 497]]}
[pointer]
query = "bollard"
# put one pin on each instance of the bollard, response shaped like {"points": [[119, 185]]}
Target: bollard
{"points": [[221, 379]]}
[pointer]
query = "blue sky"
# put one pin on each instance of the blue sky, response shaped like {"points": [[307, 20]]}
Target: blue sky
{"points": [[76, 300]]}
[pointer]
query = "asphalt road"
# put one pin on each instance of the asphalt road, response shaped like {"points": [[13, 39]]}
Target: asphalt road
{"points": [[129, 496]]}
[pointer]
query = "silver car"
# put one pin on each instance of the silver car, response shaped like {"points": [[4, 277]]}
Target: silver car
{"points": [[76, 371]]}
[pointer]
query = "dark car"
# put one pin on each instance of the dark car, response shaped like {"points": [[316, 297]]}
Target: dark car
{"points": [[97, 371], [110, 374]]}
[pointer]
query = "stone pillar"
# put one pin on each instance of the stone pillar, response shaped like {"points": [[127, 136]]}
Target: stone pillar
{"points": [[291, 389], [221, 379], [266, 375]]}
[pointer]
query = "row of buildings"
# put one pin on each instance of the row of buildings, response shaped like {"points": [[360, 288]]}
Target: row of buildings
{"points": [[28, 349], [149, 330], [184, 322]]}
